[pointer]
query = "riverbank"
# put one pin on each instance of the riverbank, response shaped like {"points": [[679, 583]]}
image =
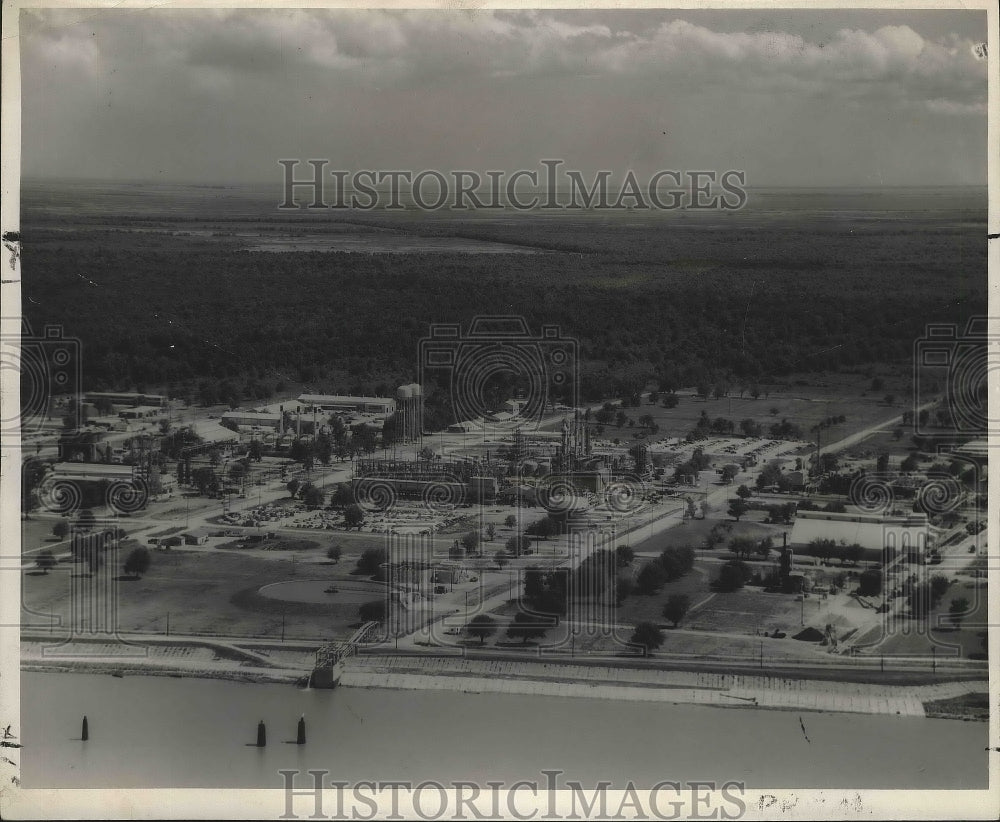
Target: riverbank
{"points": [[649, 685], [215, 660]]}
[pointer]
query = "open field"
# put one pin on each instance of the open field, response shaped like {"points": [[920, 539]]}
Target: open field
{"points": [[203, 593], [804, 406]]}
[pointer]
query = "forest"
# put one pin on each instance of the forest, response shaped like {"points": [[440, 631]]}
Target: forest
{"points": [[199, 317]]}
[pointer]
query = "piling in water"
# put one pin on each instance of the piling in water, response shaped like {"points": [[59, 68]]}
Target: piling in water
{"points": [[85, 733], [261, 734], [300, 738]]}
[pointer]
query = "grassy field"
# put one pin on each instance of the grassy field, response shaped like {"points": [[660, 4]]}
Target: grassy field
{"points": [[204, 593], [693, 533], [911, 637], [825, 396]]}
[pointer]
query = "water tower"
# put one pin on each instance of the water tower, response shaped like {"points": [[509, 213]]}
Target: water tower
{"points": [[409, 411]]}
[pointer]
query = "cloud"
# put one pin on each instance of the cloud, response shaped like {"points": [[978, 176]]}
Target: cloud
{"points": [[375, 46]]}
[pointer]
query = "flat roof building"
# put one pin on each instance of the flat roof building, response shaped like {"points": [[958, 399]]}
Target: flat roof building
{"points": [[140, 412], [259, 419], [868, 529], [126, 398], [337, 402]]}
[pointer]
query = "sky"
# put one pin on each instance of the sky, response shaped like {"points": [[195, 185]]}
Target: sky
{"points": [[806, 97]]}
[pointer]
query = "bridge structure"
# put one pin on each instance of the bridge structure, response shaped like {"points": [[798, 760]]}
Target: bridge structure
{"points": [[329, 664]]}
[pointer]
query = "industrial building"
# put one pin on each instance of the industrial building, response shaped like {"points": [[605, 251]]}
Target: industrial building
{"points": [[456, 482], [252, 419], [333, 402], [908, 534], [125, 398], [141, 412]]}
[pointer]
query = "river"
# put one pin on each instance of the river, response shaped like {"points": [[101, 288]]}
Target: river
{"points": [[148, 732]]}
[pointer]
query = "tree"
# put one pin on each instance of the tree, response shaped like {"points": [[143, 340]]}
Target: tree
{"points": [[689, 510], [737, 508], [525, 627], [764, 548], [957, 610], [45, 561], [510, 521], [61, 529], [255, 451], [676, 562], [648, 635], [373, 611], [238, 471], [334, 553], [491, 532], [544, 528], [293, 487], [342, 495], [624, 556], [714, 537], [516, 546], [501, 559], [354, 516], [313, 497], [733, 575], [623, 587], [205, 479], [743, 492], [137, 562], [742, 547], [939, 587], [676, 607], [482, 626], [651, 578], [371, 560], [729, 473], [470, 542]]}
